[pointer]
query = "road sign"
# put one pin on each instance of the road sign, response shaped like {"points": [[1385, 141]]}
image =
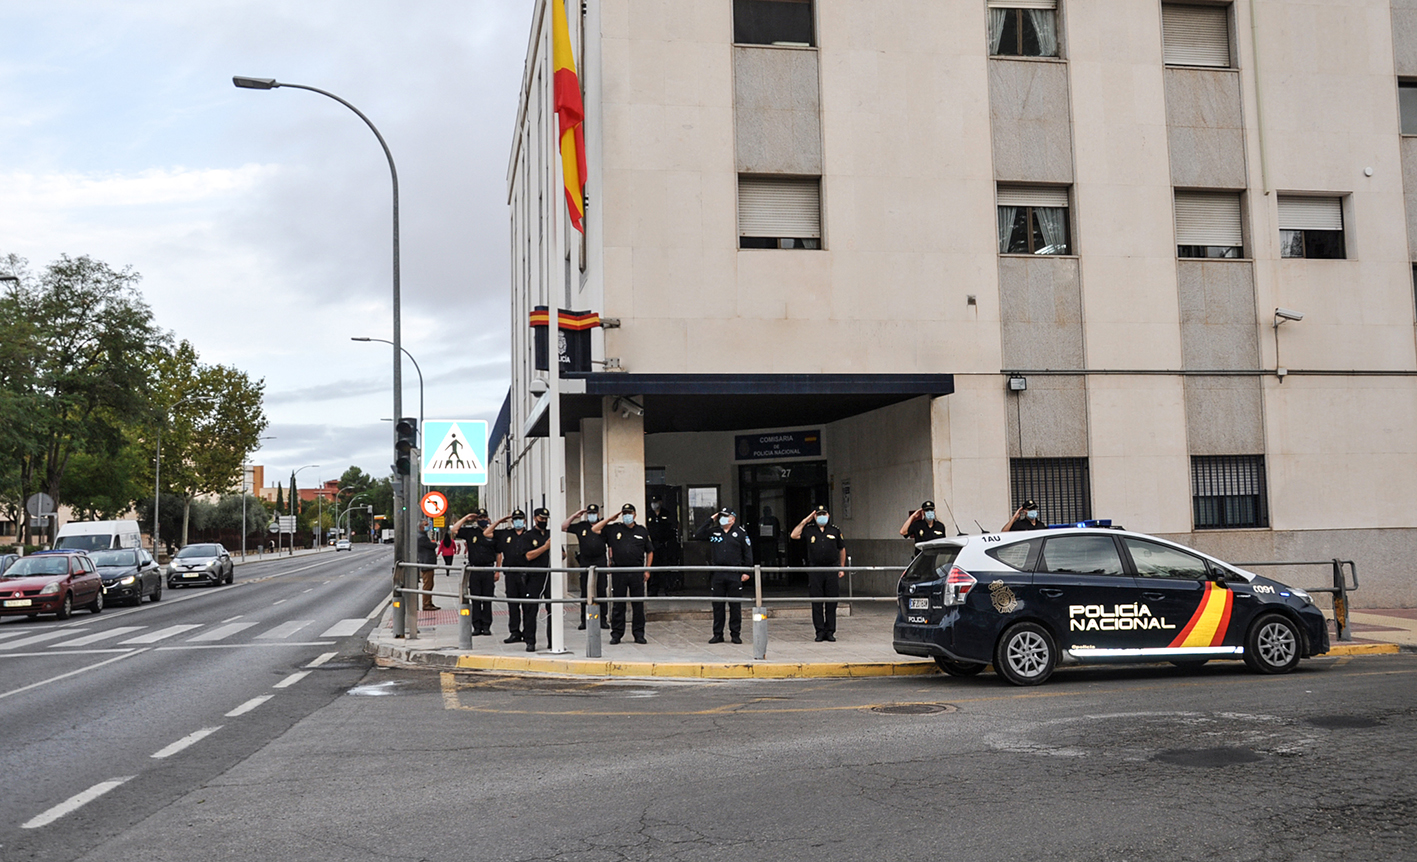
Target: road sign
{"points": [[287, 523], [458, 454], [434, 504], [42, 504]]}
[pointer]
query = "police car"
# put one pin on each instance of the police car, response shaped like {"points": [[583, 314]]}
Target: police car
{"points": [[1025, 602]]}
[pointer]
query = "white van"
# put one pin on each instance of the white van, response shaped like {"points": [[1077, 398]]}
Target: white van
{"points": [[99, 535]]}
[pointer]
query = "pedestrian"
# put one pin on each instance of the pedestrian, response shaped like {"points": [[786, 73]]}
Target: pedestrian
{"points": [[590, 551], [664, 532], [482, 579], [825, 547], [447, 548], [427, 556], [1025, 518], [629, 546], [517, 546], [729, 545], [922, 525]]}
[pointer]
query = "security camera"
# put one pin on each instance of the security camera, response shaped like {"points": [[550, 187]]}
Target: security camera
{"points": [[1289, 314], [537, 386]]}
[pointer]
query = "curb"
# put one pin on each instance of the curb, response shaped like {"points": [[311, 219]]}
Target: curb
{"points": [[1363, 649]]}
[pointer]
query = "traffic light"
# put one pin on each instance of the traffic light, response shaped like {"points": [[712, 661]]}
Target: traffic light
{"points": [[405, 440]]}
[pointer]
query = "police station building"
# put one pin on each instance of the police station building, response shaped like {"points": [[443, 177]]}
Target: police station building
{"points": [[1137, 260]]}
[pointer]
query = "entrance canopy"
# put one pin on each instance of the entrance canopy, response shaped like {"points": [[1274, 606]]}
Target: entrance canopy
{"points": [[735, 402]]}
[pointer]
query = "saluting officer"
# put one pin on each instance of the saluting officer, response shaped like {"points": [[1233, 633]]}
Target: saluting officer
{"points": [[516, 548], [629, 545], [922, 525], [825, 547], [664, 532], [729, 545], [481, 581], [538, 584], [1025, 518], [590, 551]]}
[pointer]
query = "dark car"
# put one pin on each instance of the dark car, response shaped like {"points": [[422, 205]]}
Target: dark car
{"points": [[1024, 602], [51, 582], [206, 563], [128, 574]]}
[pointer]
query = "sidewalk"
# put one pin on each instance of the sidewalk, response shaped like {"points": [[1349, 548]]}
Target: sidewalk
{"points": [[678, 634]]}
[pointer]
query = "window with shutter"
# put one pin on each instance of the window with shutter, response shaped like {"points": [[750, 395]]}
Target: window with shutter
{"points": [[1208, 224], [779, 212], [1196, 35], [1033, 220], [1311, 227]]}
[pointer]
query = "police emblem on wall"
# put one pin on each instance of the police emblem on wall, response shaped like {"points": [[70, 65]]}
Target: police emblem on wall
{"points": [[1005, 602]]}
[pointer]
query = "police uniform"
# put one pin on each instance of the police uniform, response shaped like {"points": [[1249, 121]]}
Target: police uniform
{"points": [[537, 583], [726, 548], [664, 532], [481, 553], [629, 546], [824, 547], [512, 548], [590, 551], [427, 556], [922, 530]]}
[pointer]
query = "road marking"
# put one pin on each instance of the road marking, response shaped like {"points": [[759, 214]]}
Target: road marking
{"points": [[189, 739], [284, 630], [220, 632], [98, 636], [70, 673], [322, 658], [379, 608], [161, 634], [273, 604], [108, 651], [4, 635], [249, 705], [233, 646], [232, 619], [312, 589], [292, 679], [33, 639], [343, 628], [74, 803]]}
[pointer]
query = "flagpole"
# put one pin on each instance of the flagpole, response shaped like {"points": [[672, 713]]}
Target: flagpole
{"points": [[557, 462]]}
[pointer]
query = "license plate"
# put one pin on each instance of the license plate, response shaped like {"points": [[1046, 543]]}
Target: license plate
{"points": [[17, 603], [919, 604], [191, 575]]}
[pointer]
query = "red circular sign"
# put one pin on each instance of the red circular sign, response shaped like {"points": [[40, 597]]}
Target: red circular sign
{"points": [[434, 504]]}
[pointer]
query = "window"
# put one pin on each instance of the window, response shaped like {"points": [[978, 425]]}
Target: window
{"points": [[1195, 35], [1161, 561], [1228, 491], [1407, 106], [1311, 227], [779, 213], [1033, 220], [1059, 485], [1081, 555], [1208, 224], [773, 22], [1023, 28], [1016, 556]]}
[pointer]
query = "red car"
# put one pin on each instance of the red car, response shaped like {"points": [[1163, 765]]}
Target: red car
{"points": [[51, 583]]}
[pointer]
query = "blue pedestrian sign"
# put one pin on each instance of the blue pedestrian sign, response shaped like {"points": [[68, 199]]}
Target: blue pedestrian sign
{"points": [[455, 452]]}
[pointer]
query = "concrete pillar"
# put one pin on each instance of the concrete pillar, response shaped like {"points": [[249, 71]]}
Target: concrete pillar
{"points": [[592, 462], [623, 449], [573, 476], [942, 474]]}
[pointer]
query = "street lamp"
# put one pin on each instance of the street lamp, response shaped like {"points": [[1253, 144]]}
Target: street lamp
{"points": [[293, 503], [415, 368]]}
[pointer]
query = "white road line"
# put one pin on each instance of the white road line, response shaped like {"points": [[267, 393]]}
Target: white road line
{"points": [[221, 632], [5, 635], [234, 646], [108, 651], [232, 619], [189, 739], [33, 639], [379, 608], [343, 628], [249, 705], [73, 803], [292, 679], [284, 630], [4, 695], [322, 658], [98, 636], [161, 634], [303, 592], [282, 601]]}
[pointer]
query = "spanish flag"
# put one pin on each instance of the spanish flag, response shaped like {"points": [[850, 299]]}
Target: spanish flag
{"points": [[570, 112]]}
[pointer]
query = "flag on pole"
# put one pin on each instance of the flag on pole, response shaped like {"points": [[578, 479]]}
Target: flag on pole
{"points": [[570, 112]]}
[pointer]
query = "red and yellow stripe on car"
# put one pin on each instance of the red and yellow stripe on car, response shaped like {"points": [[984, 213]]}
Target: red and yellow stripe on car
{"points": [[1208, 624]]}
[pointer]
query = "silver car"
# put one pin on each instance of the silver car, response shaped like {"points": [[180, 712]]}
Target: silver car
{"points": [[206, 563]]}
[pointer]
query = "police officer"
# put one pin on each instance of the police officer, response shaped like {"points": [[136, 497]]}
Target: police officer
{"points": [[922, 525], [481, 581], [825, 547], [590, 551], [630, 546], [1025, 518], [729, 545], [516, 548], [664, 532], [427, 556], [538, 584]]}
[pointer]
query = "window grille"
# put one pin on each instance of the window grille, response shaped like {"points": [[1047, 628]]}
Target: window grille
{"points": [[1228, 491], [1060, 486]]}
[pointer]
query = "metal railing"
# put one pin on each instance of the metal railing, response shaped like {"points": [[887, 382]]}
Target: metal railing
{"points": [[1339, 590]]}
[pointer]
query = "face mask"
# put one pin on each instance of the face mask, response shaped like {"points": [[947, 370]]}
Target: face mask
{"points": [[723, 522], [1033, 514], [654, 506], [929, 516], [518, 524], [821, 520], [627, 520], [482, 523], [541, 522]]}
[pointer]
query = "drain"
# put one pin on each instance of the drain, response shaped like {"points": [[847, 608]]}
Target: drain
{"points": [[1208, 758], [913, 708], [1343, 722]]}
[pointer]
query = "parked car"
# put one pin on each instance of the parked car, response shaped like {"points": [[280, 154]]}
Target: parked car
{"points": [[129, 575], [342, 545], [51, 582], [6, 560], [1025, 602], [207, 563]]}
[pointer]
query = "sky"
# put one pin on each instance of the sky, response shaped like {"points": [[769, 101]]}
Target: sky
{"points": [[260, 221]]}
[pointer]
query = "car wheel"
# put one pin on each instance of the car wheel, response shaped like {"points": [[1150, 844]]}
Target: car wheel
{"points": [[66, 609], [1191, 665], [96, 606], [1272, 645], [958, 668], [157, 592], [1025, 655]]}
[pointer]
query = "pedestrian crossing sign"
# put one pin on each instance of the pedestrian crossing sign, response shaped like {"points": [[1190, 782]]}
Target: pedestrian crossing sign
{"points": [[455, 452]]}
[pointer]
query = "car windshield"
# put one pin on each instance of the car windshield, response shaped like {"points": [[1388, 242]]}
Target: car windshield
{"points": [[192, 551], [29, 566], [114, 558], [931, 565], [95, 542]]}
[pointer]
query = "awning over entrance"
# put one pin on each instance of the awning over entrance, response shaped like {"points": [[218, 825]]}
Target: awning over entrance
{"points": [[736, 402]]}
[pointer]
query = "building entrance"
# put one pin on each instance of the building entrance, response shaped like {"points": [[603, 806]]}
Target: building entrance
{"points": [[772, 498]]}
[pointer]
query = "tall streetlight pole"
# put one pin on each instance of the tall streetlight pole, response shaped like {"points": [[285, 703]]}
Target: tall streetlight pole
{"points": [[415, 368], [294, 504], [403, 542]]}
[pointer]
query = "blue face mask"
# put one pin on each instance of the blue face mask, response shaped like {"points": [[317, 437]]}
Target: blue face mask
{"points": [[627, 519], [723, 522], [518, 524], [1032, 514], [821, 520], [930, 516]]}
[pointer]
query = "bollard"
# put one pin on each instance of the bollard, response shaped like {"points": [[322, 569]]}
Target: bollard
{"points": [[760, 633], [592, 617], [398, 613], [464, 625]]}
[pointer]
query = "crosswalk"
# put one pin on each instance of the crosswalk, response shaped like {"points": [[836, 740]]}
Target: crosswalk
{"points": [[189, 633]]}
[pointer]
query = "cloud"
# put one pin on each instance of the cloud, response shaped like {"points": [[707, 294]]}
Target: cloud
{"points": [[146, 187]]}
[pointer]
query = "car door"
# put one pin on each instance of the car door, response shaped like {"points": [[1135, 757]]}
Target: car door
{"points": [[86, 581], [1086, 592], [148, 573], [1176, 587], [226, 564]]}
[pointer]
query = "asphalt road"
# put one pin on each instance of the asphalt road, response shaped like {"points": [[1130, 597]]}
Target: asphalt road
{"points": [[1138, 764], [110, 718]]}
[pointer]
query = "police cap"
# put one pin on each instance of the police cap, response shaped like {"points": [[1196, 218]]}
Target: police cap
{"points": [[928, 504], [518, 513], [628, 507], [593, 509], [541, 513]]}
